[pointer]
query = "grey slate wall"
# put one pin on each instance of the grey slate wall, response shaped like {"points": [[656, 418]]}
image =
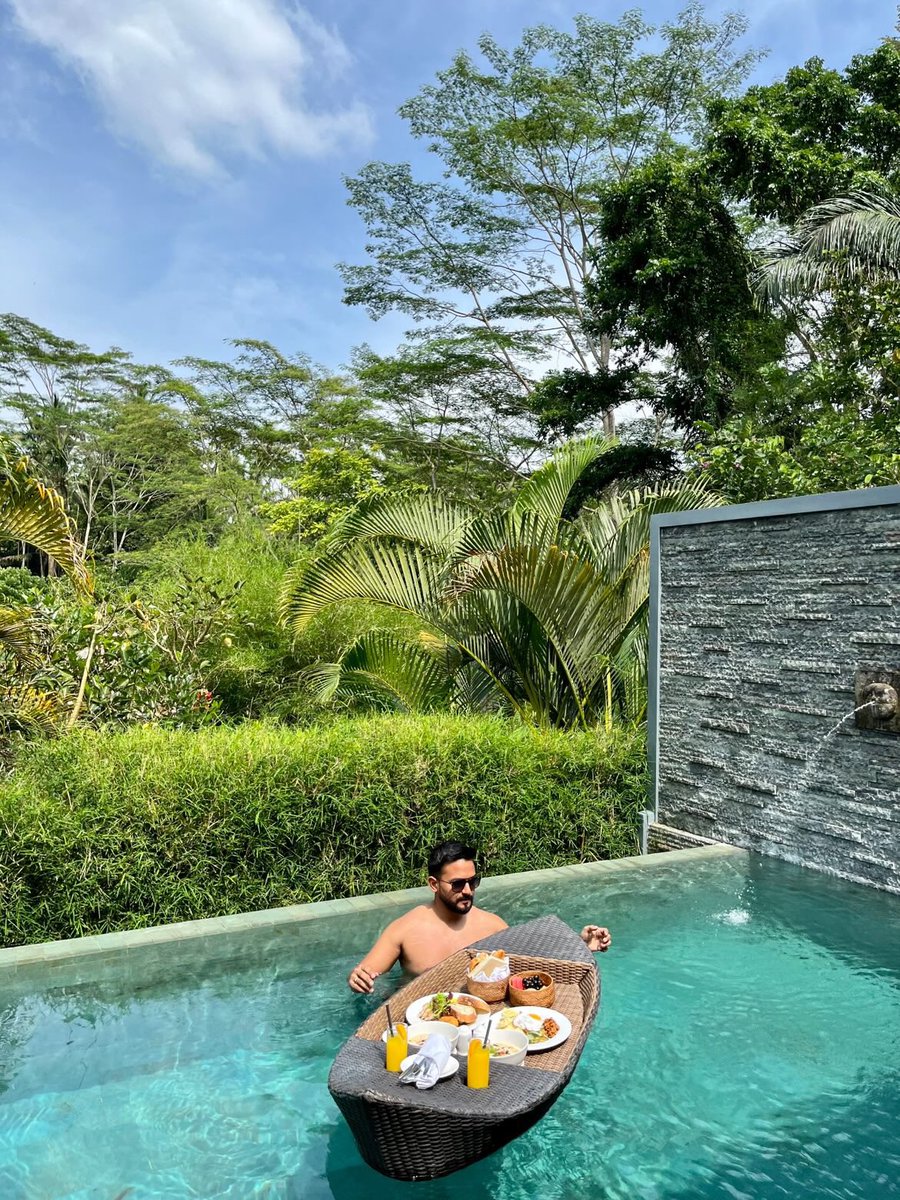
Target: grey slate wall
{"points": [[763, 624]]}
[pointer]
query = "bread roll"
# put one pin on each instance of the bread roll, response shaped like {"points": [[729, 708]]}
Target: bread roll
{"points": [[464, 1013], [475, 1002]]}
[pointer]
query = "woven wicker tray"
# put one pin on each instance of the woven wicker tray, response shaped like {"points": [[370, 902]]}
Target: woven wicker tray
{"points": [[408, 1134]]}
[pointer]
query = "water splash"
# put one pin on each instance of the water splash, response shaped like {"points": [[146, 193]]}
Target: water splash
{"points": [[734, 916]]}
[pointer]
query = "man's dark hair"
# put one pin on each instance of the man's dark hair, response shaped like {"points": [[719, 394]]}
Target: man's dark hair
{"points": [[448, 852]]}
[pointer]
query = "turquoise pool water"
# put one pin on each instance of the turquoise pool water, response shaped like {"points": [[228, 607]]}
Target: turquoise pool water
{"points": [[748, 1047]]}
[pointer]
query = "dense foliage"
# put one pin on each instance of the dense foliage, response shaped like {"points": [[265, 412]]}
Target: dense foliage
{"points": [[614, 219], [114, 831]]}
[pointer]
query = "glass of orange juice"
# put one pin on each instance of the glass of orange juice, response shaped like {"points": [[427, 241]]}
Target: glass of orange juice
{"points": [[478, 1065], [397, 1048]]}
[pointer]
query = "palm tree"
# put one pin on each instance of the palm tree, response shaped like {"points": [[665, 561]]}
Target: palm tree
{"points": [[33, 513], [523, 612], [854, 237]]}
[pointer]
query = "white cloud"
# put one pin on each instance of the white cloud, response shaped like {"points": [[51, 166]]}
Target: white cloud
{"points": [[194, 81]]}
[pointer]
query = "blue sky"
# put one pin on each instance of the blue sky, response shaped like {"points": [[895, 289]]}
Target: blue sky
{"points": [[172, 168]]}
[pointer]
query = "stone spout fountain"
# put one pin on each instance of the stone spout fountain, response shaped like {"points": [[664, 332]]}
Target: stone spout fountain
{"points": [[774, 684]]}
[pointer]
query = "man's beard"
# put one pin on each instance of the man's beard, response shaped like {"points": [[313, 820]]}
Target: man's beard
{"points": [[459, 905]]}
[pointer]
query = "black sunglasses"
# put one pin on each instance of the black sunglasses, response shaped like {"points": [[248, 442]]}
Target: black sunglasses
{"points": [[458, 884]]}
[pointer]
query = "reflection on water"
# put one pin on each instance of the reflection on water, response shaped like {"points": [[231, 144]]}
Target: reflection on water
{"points": [[748, 1046]]}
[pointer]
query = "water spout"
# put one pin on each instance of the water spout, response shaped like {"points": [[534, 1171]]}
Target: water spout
{"points": [[816, 754]]}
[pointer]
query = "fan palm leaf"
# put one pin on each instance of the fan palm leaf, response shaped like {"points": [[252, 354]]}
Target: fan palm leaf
{"points": [[548, 489]]}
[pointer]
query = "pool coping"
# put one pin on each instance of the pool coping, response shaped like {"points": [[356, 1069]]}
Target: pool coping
{"points": [[105, 944]]}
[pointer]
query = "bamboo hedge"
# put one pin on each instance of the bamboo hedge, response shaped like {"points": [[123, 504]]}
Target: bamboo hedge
{"points": [[104, 831]]}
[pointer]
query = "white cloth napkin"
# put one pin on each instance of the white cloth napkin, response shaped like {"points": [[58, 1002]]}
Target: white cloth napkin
{"points": [[425, 1069]]}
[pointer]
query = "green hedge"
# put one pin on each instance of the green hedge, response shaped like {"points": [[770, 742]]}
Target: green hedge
{"points": [[105, 831]]}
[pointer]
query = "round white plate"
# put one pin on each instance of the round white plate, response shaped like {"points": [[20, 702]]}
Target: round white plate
{"points": [[413, 1012], [450, 1067], [565, 1026]]}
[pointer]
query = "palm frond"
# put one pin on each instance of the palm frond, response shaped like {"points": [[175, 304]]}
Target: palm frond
{"points": [[853, 237], [864, 226], [28, 710], [427, 520], [523, 612], [33, 513], [20, 634], [403, 674], [548, 489], [563, 595], [400, 577]]}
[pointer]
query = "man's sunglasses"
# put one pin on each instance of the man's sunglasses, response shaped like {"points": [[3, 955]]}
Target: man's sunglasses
{"points": [[457, 885]]}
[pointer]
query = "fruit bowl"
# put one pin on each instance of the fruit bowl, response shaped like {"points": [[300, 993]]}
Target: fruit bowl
{"points": [[542, 993]]}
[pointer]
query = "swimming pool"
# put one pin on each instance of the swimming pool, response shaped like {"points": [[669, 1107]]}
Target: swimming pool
{"points": [[748, 1046]]}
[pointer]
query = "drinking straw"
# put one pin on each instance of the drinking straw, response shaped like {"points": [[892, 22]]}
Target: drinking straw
{"points": [[487, 1034], [390, 1022]]}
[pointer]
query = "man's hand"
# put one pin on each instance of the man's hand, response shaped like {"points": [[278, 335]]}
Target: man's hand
{"points": [[595, 938], [361, 980]]}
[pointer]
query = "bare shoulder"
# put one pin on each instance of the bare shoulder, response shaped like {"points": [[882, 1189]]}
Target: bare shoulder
{"points": [[414, 919], [490, 922]]}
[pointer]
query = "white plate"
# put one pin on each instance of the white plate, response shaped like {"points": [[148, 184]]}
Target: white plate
{"points": [[450, 1067], [412, 1013], [565, 1026]]}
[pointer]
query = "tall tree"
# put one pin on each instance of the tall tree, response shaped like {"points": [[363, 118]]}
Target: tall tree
{"points": [[500, 252], [815, 134], [53, 385], [673, 279], [451, 421]]}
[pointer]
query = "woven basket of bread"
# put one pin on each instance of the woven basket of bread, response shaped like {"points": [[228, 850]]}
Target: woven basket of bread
{"points": [[542, 997], [488, 963]]}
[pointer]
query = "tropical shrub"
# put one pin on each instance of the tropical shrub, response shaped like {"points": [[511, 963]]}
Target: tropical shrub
{"points": [[31, 513], [522, 612], [102, 831]]}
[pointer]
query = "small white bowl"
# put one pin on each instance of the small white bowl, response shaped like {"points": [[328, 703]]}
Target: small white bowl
{"points": [[420, 1030], [451, 1066], [510, 1037]]}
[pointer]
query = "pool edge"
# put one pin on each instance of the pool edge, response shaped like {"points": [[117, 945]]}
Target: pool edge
{"points": [[104, 944]]}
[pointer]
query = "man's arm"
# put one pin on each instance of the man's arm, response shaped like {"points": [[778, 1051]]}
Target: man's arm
{"points": [[380, 958]]}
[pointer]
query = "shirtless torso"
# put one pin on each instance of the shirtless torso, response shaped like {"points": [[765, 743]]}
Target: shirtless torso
{"points": [[424, 939], [429, 933]]}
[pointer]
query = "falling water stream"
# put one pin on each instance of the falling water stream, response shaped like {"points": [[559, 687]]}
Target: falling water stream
{"points": [[800, 783]]}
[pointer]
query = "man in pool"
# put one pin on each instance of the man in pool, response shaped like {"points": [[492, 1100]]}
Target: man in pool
{"points": [[429, 933]]}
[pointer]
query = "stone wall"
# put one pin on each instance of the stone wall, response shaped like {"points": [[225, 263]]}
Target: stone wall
{"points": [[763, 625], [662, 838]]}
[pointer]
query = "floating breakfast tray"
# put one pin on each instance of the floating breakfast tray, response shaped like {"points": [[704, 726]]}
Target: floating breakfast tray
{"points": [[410, 1134]]}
